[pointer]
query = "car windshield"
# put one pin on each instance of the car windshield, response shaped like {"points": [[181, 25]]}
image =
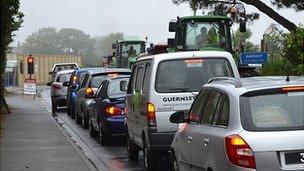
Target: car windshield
{"points": [[189, 75], [118, 86], [206, 34], [97, 80], [271, 112], [129, 49], [64, 77]]}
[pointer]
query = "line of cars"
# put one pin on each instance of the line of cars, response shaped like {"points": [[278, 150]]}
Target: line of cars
{"points": [[194, 106], [95, 98]]}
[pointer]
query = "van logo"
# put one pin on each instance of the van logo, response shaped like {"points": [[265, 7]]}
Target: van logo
{"points": [[178, 99]]}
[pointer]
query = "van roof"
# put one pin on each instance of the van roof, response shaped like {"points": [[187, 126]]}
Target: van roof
{"points": [[189, 54]]}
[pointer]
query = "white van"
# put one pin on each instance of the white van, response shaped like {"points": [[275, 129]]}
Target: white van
{"points": [[161, 85]]}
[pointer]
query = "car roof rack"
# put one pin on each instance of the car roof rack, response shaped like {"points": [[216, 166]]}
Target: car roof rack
{"points": [[235, 81]]}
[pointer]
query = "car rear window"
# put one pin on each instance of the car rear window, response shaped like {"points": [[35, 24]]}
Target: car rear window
{"points": [[273, 111], [64, 67], [97, 80], [183, 75], [64, 77], [118, 86]]}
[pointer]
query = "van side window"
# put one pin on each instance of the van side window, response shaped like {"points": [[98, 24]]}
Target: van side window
{"points": [[132, 80], [139, 78], [210, 108], [146, 78], [198, 105]]}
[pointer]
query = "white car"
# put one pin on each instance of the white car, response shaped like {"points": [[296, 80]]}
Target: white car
{"points": [[58, 91], [61, 67]]}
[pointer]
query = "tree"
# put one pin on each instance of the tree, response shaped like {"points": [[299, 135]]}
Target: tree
{"points": [[11, 20], [44, 41], [298, 5], [256, 3], [106, 43], [66, 41]]}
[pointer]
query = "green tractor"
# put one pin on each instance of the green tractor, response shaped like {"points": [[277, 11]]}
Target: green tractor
{"points": [[126, 52], [209, 32]]}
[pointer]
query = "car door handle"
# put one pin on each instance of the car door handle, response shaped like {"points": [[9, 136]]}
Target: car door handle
{"points": [[206, 141], [189, 139]]}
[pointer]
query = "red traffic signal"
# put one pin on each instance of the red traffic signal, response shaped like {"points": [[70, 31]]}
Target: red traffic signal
{"points": [[30, 59], [30, 64]]}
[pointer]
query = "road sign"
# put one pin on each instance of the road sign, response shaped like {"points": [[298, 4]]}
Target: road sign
{"points": [[29, 86], [254, 58]]}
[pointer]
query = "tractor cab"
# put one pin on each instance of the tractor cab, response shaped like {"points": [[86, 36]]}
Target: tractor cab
{"points": [[194, 33], [126, 52]]}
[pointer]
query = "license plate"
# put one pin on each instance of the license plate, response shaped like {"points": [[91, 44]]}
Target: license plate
{"points": [[296, 157]]}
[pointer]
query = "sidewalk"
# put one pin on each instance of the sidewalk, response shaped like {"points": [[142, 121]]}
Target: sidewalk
{"points": [[31, 140]]}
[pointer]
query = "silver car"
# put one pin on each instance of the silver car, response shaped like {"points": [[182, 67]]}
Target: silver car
{"points": [[242, 124], [58, 90]]}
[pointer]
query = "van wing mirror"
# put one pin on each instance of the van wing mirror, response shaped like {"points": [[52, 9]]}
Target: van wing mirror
{"points": [[178, 117], [173, 26]]}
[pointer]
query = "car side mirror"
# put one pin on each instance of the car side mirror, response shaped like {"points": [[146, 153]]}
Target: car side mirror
{"points": [[171, 42], [173, 26], [49, 83], [50, 73], [66, 83], [178, 117], [74, 87], [242, 26], [114, 46]]}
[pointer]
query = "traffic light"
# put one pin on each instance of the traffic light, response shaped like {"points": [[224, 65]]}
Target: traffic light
{"points": [[30, 64]]}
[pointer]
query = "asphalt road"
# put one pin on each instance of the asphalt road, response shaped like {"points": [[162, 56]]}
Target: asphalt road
{"points": [[113, 155]]}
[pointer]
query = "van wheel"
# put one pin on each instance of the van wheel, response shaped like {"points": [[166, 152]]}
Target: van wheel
{"points": [[149, 159], [92, 130], [132, 149]]}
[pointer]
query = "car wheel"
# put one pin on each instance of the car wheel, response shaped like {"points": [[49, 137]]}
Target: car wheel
{"points": [[174, 162], [77, 118], [150, 161], [85, 121], [68, 110], [92, 130], [132, 149], [103, 137], [54, 107], [73, 114]]}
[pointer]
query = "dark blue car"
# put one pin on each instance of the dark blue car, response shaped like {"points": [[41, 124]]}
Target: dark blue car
{"points": [[106, 111], [73, 86]]}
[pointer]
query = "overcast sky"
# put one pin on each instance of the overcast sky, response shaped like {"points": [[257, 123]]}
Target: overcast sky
{"points": [[132, 17]]}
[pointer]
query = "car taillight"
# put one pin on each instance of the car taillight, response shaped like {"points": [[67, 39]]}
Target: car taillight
{"points": [[151, 114], [56, 86], [112, 110], [74, 79], [89, 90], [239, 152]]}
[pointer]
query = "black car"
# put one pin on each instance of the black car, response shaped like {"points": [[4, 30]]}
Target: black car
{"points": [[106, 110]]}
